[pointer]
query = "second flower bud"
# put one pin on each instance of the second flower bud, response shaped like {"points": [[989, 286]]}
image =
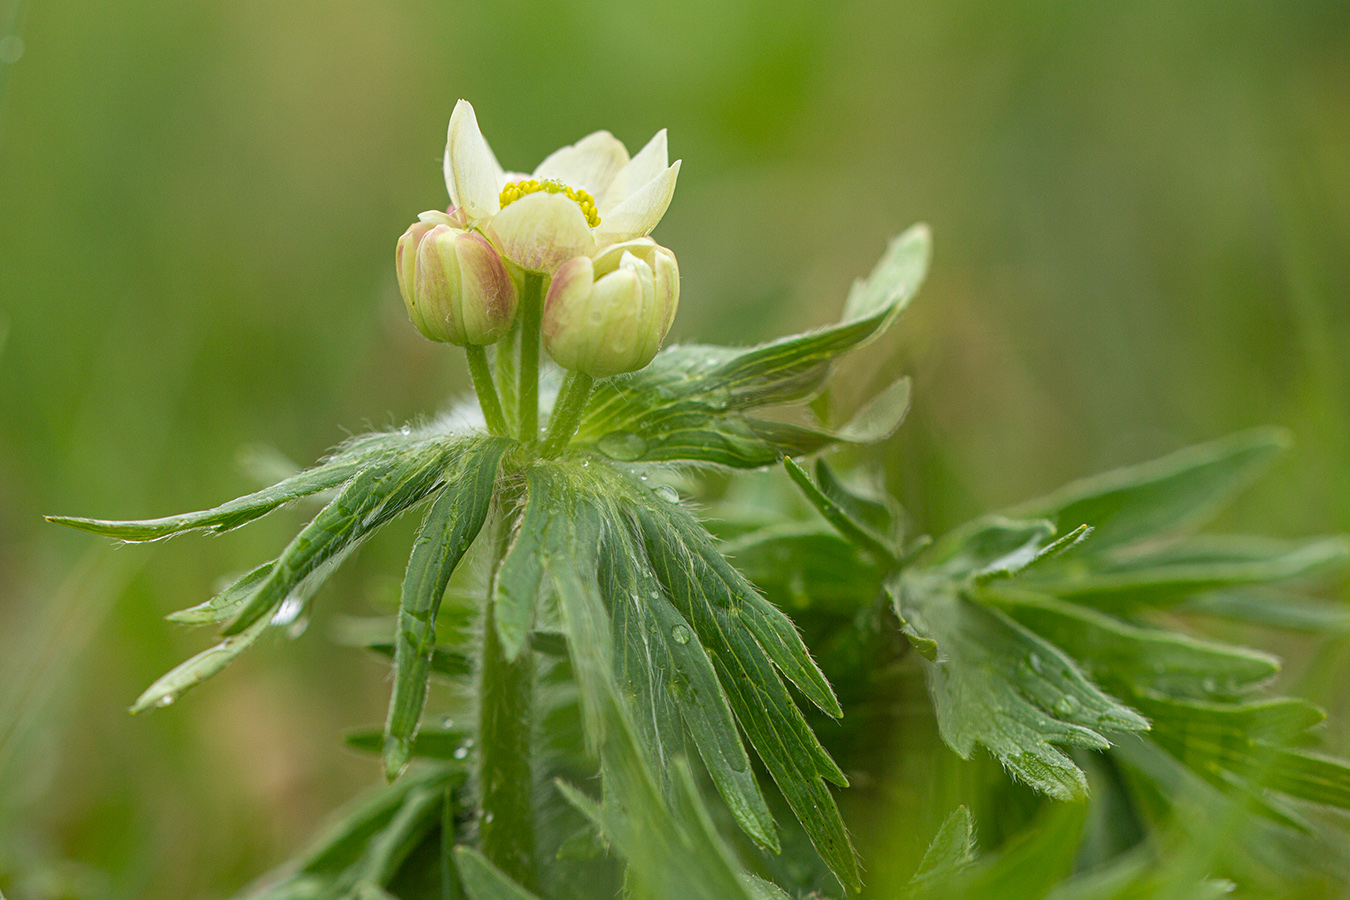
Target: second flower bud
{"points": [[609, 315], [454, 283]]}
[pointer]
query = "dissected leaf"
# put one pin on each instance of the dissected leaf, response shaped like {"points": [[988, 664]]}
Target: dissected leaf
{"points": [[228, 515], [1119, 653], [377, 494], [1168, 575], [451, 525], [1247, 742], [997, 684], [228, 602], [666, 668], [722, 620], [1161, 496]]}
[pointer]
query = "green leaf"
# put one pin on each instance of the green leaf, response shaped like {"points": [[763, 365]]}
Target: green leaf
{"points": [[846, 520], [660, 662], [377, 494], [1246, 743], [228, 602], [432, 742], [520, 575], [484, 881], [1027, 868], [672, 849], [451, 525], [1139, 658], [230, 515], [1169, 575], [1274, 607], [997, 684], [952, 849], [722, 611], [361, 848], [1167, 494], [187, 675]]}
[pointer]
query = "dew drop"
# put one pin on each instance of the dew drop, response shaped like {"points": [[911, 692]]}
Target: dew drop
{"points": [[297, 627], [642, 478], [461, 752], [1035, 663], [622, 445], [488, 817], [1066, 706], [288, 610], [405, 430], [680, 634], [166, 700], [1210, 685], [447, 722]]}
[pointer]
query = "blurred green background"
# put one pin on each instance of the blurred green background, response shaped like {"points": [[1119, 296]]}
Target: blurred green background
{"points": [[1141, 214]]}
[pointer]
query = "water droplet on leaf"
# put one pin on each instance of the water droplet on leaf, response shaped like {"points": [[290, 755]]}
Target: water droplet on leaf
{"points": [[461, 752], [166, 700], [1066, 706], [680, 634]]}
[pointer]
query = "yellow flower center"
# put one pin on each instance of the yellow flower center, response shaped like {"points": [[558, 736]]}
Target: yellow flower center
{"points": [[517, 189]]}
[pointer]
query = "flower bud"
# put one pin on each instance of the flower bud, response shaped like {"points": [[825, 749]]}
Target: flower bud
{"points": [[454, 283], [609, 315]]}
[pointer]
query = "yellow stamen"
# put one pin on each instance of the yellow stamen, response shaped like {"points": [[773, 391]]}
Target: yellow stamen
{"points": [[517, 189]]}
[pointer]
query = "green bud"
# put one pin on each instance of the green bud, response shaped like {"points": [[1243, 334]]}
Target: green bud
{"points": [[609, 315], [454, 283]]}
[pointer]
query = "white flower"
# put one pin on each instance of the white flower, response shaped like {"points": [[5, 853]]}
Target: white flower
{"points": [[579, 200]]}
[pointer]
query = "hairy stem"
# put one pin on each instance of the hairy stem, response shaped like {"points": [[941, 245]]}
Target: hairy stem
{"points": [[576, 390], [506, 696], [531, 313], [486, 389]]}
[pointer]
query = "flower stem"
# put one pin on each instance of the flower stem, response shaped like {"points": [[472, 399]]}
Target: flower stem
{"points": [[505, 726], [531, 314], [486, 389], [576, 390]]}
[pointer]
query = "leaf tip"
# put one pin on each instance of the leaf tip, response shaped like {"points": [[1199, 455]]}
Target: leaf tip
{"points": [[397, 754]]}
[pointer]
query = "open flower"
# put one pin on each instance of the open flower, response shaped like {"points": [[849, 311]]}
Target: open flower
{"points": [[579, 200]]}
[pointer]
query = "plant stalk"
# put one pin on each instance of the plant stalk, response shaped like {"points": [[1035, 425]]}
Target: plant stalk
{"points": [[576, 390], [505, 726], [531, 314], [486, 389]]}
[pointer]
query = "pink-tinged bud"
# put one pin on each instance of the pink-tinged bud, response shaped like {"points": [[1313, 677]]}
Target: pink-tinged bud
{"points": [[454, 284], [610, 315]]}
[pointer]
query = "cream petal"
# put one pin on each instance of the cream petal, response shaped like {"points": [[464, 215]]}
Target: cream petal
{"points": [[638, 215], [566, 300], [472, 175], [608, 259], [488, 296], [649, 163], [541, 231], [667, 287], [590, 164]]}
